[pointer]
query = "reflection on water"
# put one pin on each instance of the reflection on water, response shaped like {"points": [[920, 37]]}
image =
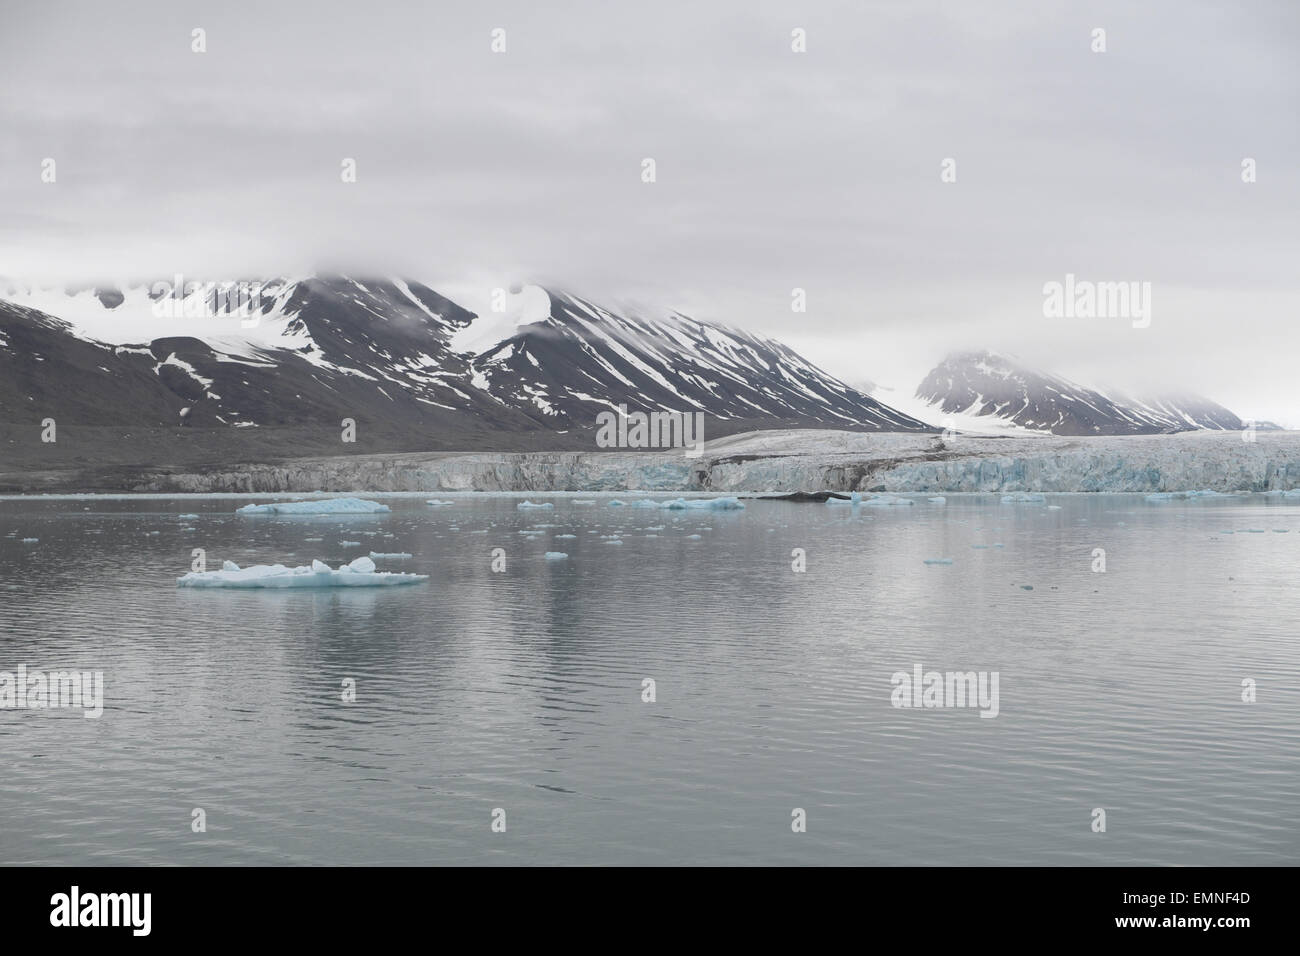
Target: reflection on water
{"points": [[523, 690]]}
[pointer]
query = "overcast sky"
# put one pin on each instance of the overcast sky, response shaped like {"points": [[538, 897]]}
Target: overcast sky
{"points": [[775, 169]]}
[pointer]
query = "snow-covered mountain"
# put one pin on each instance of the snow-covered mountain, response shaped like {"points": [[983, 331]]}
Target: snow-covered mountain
{"points": [[392, 355], [312, 352], [573, 359], [984, 387]]}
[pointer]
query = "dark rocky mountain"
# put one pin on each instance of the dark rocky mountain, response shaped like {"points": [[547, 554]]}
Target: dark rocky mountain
{"points": [[48, 372], [582, 359], [380, 351]]}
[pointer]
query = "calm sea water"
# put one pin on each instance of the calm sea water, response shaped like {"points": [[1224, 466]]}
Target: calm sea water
{"points": [[522, 690]]}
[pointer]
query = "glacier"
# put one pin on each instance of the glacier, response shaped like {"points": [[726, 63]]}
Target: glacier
{"points": [[795, 460]]}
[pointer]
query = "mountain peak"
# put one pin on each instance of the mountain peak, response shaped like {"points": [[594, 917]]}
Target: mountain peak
{"points": [[981, 384]]}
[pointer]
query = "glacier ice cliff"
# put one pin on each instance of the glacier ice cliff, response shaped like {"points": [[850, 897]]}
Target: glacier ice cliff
{"points": [[801, 460]]}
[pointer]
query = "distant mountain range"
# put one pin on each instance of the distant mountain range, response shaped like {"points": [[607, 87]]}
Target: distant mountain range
{"points": [[997, 390], [403, 359]]}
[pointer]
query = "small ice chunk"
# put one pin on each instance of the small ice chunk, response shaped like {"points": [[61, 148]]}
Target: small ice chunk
{"points": [[524, 505], [555, 555], [361, 565], [937, 500], [390, 556], [436, 502], [938, 560], [350, 544], [30, 540], [583, 501], [1022, 497], [886, 501], [694, 537], [566, 536], [188, 516]]}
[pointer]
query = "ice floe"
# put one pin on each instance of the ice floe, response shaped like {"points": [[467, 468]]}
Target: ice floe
{"points": [[689, 504], [326, 506], [360, 573], [1185, 495]]}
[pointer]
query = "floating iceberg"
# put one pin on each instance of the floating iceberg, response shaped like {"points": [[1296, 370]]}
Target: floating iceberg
{"points": [[394, 556], [840, 501], [1022, 497], [524, 505], [30, 540], [555, 555], [712, 504], [359, 574], [326, 506], [938, 560], [1185, 495], [684, 504], [886, 501], [187, 516], [435, 502], [937, 500]]}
